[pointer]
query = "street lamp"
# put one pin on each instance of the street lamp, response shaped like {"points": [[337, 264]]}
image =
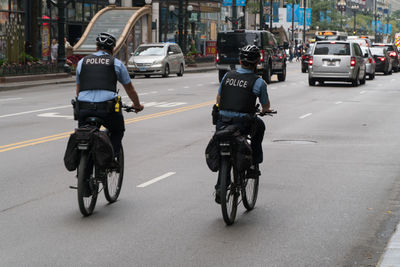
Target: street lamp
{"points": [[147, 2], [355, 6], [342, 7], [111, 2]]}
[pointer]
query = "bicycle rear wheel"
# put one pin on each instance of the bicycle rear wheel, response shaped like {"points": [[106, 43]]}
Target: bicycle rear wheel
{"points": [[229, 193], [113, 180], [87, 185], [249, 191]]}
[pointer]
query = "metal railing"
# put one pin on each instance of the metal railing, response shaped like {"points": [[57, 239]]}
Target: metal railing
{"points": [[18, 70]]}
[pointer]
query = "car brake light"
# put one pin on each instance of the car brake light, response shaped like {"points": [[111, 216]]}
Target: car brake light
{"points": [[217, 57], [392, 54], [369, 60], [353, 61], [381, 58], [310, 61], [303, 57], [262, 56], [333, 42]]}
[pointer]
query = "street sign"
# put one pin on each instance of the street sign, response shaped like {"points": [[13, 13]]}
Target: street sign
{"points": [[238, 3]]}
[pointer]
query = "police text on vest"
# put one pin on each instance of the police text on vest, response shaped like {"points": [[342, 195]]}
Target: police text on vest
{"points": [[235, 82]]}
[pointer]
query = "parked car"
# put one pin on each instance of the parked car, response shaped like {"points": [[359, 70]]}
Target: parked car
{"points": [[336, 61], [363, 42], [157, 59], [304, 59], [370, 63], [273, 59], [384, 63], [393, 53]]}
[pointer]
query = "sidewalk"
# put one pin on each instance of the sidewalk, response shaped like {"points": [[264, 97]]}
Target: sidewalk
{"points": [[21, 82]]}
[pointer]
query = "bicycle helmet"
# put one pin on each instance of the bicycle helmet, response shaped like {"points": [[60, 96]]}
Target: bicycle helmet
{"points": [[105, 41], [249, 54]]}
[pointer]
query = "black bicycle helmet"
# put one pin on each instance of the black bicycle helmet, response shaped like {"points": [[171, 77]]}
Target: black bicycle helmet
{"points": [[249, 54], [105, 41]]}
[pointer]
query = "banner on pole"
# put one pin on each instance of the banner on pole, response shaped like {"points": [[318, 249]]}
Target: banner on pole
{"points": [[289, 12], [308, 17]]}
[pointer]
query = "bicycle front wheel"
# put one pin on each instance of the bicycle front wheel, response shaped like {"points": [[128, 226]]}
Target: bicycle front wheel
{"points": [[113, 182], [87, 185], [249, 191], [229, 193]]}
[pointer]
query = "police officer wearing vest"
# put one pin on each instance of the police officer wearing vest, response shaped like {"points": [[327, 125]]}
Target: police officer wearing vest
{"points": [[237, 95], [96, 88]]}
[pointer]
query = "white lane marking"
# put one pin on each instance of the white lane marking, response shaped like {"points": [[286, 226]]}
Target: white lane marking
{"points": [[34, 111], [273, 88], [163, 104], [55, 115], [10, 99], [159, 178], [186, 87], [200, 84], [305, 115], [171, 90], [362, 92], [338, 102], [149, 93], [393, 80]]}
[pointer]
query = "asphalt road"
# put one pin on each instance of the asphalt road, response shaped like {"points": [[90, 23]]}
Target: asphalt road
{"points": [[328, 192]]}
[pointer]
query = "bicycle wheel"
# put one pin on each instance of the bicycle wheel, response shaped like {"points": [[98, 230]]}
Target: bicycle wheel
{"points": [[249, 191], [113, 182], [87, 185], [229, 193]]}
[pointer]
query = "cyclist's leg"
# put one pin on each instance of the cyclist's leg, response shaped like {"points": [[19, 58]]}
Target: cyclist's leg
{"points": [[114, 122], [256, 141]]}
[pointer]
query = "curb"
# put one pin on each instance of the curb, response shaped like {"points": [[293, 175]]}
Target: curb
{"points": [[16, 86]]}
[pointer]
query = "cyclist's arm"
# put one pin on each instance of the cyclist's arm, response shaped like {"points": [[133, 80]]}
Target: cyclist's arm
{"points": [[260, 89], [219, 89], [125, 79], [78, 71], [77, 89]]}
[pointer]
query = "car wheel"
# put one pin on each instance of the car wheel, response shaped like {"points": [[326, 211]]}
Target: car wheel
{"points": [[221, 74], [371, 76], [267, 75], [321, 83], [181, 70], [166, 71], [303, 70], [282, 76], [147, 75], [362, 81], [132, 76], [311, 82], [356, 81]]}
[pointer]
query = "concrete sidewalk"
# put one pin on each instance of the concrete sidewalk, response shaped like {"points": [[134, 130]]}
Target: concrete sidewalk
{"points": [[13, 83]]}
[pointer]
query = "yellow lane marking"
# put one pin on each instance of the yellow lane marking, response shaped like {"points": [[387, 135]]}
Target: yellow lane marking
{"points": [[59, 136]]}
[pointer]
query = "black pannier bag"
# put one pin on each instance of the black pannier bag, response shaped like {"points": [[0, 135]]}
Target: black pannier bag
{"points": [[102, 149], [71, 156], [244, 158], [212, 154]]}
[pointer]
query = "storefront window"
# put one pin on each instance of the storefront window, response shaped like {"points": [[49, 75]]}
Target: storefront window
{"points": [[17, 5], [87, 12], [71, 12], [78, 8], [3, 4]]}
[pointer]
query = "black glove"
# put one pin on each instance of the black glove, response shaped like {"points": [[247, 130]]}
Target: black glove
{"points": [[215, 114]]}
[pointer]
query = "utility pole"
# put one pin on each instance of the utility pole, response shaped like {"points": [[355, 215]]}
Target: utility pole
{"points": [[293, 21], [180, 24], [375, 23], [261, 15], [270, 15], [304, 21], [61, 33], [234, 15]]}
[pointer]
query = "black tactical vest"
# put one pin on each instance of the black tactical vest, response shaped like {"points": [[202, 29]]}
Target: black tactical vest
{"points": [[237, 92], [98, 73]]}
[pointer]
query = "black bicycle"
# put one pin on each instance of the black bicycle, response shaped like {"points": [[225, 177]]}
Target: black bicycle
{"points": [[90, 177], [233, 182]]}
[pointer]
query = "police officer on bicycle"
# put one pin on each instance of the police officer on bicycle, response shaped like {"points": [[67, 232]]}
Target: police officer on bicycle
{"points": [[96, 88], [236, 99]]}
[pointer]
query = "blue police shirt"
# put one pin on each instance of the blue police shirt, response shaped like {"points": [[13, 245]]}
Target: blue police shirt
{"points": [[103, 95], [259, 89]]}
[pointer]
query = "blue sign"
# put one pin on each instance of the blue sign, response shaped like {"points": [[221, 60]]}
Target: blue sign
{"points": [[275, 11], [308, 17], [385, 29], [373, 25], [289, 13], [238, 3], [321, 16], [390, 29], [378, 26], [301, 17], [296, 13], [328, 16]]}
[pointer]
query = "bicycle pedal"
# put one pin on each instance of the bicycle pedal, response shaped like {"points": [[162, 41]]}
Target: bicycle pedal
{"points": [[73, 187]]}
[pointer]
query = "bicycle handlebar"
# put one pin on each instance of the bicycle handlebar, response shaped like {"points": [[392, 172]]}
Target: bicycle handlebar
{"points": [[129, 108]]}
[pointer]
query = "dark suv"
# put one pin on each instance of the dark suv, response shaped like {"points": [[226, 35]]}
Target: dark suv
{"points": [[393, 53], [273, 59]]}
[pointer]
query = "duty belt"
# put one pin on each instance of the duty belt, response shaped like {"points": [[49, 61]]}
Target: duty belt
{"points": [[105, 106]]}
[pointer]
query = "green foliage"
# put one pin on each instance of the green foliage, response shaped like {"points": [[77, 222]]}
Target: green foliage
{"points": [[3, 62], [24, 57]]}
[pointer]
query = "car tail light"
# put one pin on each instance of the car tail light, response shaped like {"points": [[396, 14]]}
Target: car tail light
{"points": [[217, 57], [262, 56], [352, 62], [333, 42], [310, 61], [303, 57], [392, 54], [369, 60], [381, 58], [399, 56]]}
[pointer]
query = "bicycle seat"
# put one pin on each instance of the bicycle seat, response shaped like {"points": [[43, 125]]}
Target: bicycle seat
{"points": [[95, 120], [227, 132]]}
